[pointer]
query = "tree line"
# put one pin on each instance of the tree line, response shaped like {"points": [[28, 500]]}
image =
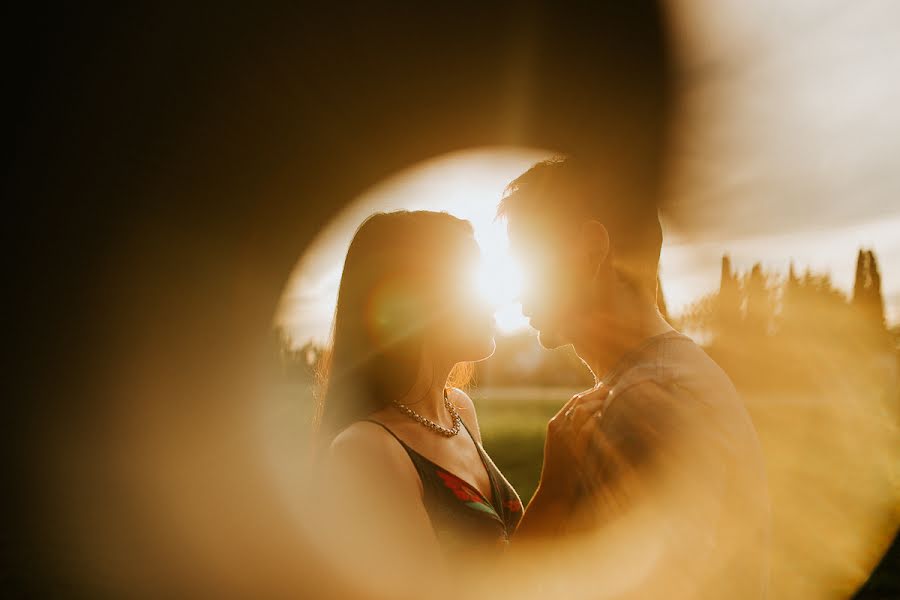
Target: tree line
{"points": [[788, 326]]}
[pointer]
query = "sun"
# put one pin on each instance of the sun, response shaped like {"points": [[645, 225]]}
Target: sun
{"points": [[468, 185], [499, 277]]}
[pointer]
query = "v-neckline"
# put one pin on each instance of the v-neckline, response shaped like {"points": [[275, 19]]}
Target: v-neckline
{"points": [[491, 482], [475, 489]]}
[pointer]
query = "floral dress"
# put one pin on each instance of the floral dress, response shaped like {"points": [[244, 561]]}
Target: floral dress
{"points": [[462, 518]]}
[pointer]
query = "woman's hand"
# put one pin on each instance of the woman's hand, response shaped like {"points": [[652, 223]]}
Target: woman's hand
{"points": [[569, 434]]}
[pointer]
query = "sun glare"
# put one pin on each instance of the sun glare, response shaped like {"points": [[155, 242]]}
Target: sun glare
{"points": [[468, 185], [499, 277]]}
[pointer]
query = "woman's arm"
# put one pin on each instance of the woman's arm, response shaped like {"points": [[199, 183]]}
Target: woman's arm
{"points": [[375, 494], [568, 434]]}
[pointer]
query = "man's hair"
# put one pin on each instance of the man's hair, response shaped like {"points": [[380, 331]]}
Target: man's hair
{"points": [[555, 197]]}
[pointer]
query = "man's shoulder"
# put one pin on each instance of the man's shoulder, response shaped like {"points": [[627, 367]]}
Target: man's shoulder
{"points": [[680, 392], [674, 377], [681, 365]]}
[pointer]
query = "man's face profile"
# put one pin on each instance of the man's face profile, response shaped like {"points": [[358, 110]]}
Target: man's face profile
{"points": [[549, 293]]}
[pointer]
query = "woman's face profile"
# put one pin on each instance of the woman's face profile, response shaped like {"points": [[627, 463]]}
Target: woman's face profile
{"points": [[464, 328]]}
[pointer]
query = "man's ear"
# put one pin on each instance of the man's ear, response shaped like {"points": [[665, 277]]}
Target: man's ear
{"points": [[595, 241]]}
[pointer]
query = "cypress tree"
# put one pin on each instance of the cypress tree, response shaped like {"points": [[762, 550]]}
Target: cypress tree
{"points": [[728, 303], [859, 280], [875, 299]]}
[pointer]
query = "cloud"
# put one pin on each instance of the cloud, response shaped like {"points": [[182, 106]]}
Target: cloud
{"points": [[790, 119]]}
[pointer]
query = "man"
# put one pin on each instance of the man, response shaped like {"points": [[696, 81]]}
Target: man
{"points": [[661, 454]]}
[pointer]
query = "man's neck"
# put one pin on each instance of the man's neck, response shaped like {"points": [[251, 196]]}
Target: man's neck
{"points": [[608, 338]]}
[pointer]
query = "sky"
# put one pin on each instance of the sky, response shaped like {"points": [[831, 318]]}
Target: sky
{"points": [[790, 117], [788, 148], [469, 184]]}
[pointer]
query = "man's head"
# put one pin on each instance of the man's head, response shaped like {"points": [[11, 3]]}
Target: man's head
{"points": [[581, 240]]}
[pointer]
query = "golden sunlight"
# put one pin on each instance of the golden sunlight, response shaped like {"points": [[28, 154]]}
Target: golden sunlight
{"points": [[467, 184], [499, 278]]}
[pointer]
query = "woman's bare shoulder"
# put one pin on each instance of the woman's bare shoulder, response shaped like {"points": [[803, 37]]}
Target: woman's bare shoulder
{"points": [[369, 446], [371, 463], [364, 438], [466, 408]]}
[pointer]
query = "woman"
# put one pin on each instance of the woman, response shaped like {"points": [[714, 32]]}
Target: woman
{"points": [[388, 417]]}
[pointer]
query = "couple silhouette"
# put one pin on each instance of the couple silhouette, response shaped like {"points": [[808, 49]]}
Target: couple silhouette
{"points": [[658, 461]]}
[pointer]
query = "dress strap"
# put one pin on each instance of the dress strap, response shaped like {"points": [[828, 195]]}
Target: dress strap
{"points": [[388, 429], [466, 427], [419, 462]]}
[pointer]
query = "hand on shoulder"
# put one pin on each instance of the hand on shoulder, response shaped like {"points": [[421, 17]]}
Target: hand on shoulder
{"points": [[568, 435]]}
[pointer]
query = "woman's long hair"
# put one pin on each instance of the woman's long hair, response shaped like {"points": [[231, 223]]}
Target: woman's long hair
{"points": [[397, 268]]}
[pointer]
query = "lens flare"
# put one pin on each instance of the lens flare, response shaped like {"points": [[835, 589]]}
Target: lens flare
{"points": [[499, 278]]}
